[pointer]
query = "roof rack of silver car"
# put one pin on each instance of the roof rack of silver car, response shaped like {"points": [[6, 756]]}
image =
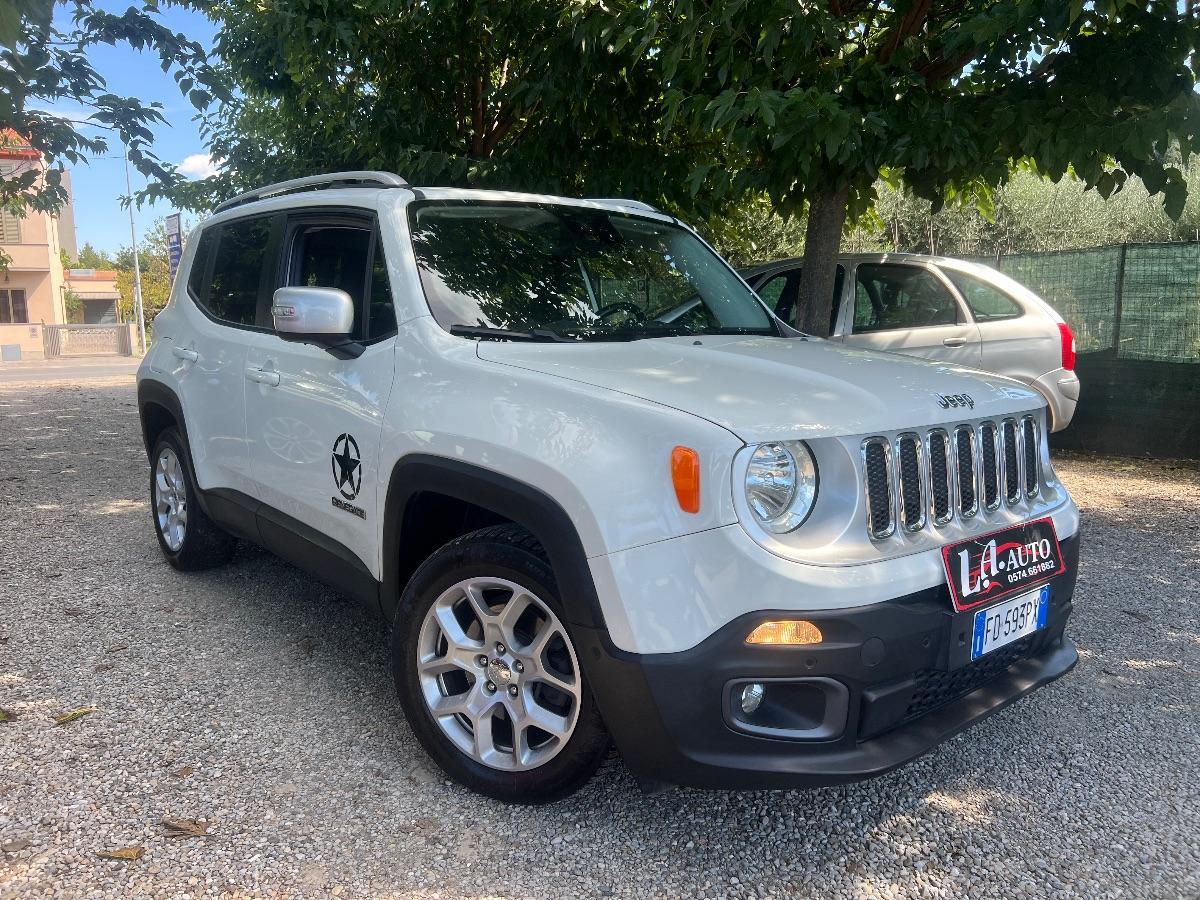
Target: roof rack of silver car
{"points": [[313, 182], [622, 201]]}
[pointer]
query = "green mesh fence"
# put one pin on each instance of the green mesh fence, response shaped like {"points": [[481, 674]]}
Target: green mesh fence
{"points": [[1141, 299]]}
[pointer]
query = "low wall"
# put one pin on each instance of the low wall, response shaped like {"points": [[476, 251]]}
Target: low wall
{"points": [[1133, 407], [27, 337]]}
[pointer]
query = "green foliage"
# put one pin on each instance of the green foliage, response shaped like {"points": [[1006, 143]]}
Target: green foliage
{"points": [[74, 306], [155, 264], [806, 100], [91, 258], [450, 92], [42, 65]]}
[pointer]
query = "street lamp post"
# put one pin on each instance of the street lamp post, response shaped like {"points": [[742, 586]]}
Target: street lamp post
{"points": [[137, 267]]}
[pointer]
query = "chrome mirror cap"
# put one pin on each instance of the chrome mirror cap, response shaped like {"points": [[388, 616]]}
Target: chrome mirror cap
{"points": [[312, 311]]}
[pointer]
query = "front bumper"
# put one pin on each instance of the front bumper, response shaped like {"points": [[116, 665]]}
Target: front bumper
{"points": [[899, 669]]}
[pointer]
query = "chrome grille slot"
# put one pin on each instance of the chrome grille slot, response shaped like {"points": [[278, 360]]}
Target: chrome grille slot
{"points": [[964, 459], [1029, 442], [989, 465], [877, 465], [912, 486], [940, 485], [1012, 462]]}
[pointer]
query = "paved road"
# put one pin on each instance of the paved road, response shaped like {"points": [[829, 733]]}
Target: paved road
{"points": [[75, 369], [259, 703]]}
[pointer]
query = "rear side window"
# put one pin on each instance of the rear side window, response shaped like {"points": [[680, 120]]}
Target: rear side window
{"points": [[890, 297], [987, 303], [237, 271]]}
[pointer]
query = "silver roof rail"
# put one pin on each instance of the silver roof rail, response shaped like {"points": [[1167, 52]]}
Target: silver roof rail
{"points": [[622, 201], [311, 182]]}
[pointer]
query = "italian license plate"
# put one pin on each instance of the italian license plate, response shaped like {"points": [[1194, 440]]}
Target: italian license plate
{"points": [[984, 569], [1009, 621]]}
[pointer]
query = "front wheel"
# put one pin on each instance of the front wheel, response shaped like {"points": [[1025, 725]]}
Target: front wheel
{"points": [[488, 674]]}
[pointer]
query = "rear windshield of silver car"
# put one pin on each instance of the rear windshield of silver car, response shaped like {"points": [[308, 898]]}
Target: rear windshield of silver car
{"points": [[552, 271]]}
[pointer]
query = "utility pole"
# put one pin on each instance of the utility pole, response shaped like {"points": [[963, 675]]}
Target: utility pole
{"points": [[137, 267]]}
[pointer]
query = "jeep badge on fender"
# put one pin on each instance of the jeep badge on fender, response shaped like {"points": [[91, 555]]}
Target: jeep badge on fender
{"points": [[598, 493]]}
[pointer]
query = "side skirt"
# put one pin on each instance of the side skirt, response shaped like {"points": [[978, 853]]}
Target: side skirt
{"points": [[291, 540]]}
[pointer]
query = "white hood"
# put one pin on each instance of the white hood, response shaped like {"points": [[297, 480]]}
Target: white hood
{"points": [[768, 388]]}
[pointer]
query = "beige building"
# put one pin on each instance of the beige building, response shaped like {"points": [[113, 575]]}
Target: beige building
{"points": [[98, 293], [34, 286]]}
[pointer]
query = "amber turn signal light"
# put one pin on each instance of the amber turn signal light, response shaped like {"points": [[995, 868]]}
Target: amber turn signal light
{"points": [[790, 632], [685, 475]]}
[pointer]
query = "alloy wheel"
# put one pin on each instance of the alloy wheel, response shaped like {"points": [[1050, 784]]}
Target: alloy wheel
{"points": [[170, 499], [499, 674]]}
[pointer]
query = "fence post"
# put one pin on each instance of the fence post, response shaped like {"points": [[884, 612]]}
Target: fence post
{"points": [[1120, 289]]}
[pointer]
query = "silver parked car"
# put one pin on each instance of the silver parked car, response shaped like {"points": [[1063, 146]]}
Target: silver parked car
{"points": [[941, 309]]}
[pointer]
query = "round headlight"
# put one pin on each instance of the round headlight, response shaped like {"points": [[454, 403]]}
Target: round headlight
{"points": [[781, 485]]}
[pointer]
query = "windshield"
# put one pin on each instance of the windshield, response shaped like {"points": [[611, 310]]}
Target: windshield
{"points": [[577, 273]]}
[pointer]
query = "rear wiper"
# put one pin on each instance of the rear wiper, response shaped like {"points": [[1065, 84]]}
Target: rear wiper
{"points": [[537, 335]]}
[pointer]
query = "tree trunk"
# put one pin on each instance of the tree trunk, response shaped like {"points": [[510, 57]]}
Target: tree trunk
{"points": [[822, 240]]}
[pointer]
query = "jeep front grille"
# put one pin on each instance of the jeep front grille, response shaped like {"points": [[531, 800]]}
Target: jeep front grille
{"points": [[916, 480]]}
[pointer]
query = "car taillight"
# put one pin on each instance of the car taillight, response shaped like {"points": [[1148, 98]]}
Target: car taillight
{"points": [[1068, 346]]}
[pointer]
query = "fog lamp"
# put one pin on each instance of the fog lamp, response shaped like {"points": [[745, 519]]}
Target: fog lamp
{"points": [[790, 632], [752, 697]]}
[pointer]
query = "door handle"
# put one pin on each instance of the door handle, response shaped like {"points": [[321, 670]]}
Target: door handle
{"points": [[954, 342], [185, 353], [262, 376]]}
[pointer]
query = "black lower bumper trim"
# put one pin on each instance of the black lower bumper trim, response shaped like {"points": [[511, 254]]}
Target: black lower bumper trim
{"points": [[905, 664]]}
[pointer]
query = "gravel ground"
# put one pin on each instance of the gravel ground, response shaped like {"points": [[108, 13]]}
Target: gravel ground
{"points": [[259, 705]]}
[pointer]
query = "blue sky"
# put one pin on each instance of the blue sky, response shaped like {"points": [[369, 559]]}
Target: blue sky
{"points": [[99, 186]]}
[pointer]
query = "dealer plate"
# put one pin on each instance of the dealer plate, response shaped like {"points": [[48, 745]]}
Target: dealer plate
{"points": [[986, 568], [1000, 625]]}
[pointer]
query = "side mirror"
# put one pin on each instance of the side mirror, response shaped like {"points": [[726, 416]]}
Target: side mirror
{"points": [[316, 315]]}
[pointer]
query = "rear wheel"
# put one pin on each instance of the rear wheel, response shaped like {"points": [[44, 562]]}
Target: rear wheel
{"points": [[188, 538], [488, 674]]}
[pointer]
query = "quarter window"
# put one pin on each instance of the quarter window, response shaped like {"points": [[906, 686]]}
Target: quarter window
{"points": [[889, 297], [12, 307], [987, 303], [238, 271]]}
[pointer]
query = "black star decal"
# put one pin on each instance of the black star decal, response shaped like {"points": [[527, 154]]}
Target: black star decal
{"points": [[346, 464]]}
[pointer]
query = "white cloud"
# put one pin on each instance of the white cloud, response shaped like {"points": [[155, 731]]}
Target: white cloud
{"points": [[198, 165]]}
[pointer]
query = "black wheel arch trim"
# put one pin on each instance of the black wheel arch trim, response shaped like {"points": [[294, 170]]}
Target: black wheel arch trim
{"points": [[504, 496], [153, 392]]}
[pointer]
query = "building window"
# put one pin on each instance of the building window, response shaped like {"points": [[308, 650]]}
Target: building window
{"points": [[10, 228], [12, 307]]}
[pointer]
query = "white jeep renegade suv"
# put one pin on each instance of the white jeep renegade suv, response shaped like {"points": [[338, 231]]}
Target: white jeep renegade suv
{"points": [[747, 557]]}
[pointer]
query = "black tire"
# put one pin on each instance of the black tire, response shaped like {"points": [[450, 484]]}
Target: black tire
{"points": [[511, 553], [205, 545]]}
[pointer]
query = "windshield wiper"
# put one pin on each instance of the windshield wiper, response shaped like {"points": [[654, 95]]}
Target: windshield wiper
{"points": [[536, 335]]}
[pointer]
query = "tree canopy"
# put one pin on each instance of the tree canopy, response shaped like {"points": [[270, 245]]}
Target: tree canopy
{"points": [[490, 93], [812, 103], [42, 64]]}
